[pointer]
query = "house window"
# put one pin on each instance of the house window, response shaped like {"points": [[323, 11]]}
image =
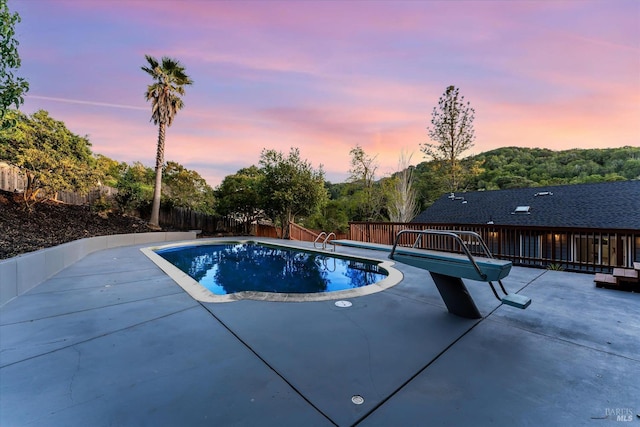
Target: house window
{"points": [[584, 249], [607, 251], [599, 249]]}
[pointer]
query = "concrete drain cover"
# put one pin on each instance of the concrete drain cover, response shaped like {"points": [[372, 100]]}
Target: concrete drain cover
{"points": [[343, 304], [357, 399]]}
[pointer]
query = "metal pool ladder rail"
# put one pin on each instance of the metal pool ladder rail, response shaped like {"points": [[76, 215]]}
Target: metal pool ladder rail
{"points": [[325, 241]]}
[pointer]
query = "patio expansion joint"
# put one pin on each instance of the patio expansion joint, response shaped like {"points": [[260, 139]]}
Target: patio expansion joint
{"points": [[128, 282], [177, 292], [414, 299], [424, 368], [563, 340], [100, 336], [74, 276], [526, 285], [555, 337], [267, 364]]}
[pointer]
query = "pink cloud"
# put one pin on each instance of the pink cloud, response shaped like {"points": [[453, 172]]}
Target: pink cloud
{"points": [[326, 76]]}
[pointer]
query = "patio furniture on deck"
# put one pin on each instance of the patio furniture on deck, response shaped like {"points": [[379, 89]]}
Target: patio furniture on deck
{"points": [[621, 278], [605, 280]]}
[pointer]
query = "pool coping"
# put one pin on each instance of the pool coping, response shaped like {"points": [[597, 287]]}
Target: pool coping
{"points": [[202, 294]]}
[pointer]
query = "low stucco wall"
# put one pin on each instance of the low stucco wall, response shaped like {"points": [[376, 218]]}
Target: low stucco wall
{"points": [[21, 273]]}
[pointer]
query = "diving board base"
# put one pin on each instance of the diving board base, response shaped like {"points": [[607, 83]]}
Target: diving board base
{"points": [[456, 296], [515, 300]]}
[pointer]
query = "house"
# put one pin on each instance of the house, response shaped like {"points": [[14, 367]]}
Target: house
{"points": [[581, 227]]}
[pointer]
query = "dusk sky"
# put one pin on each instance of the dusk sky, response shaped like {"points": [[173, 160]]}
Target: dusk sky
{"points": [[325, 76]]}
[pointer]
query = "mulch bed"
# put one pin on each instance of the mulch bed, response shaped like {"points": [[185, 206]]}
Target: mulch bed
{"points": [[51, 223]]}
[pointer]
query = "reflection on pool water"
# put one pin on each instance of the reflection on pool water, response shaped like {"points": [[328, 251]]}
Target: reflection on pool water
{"points": [[236, 267]]}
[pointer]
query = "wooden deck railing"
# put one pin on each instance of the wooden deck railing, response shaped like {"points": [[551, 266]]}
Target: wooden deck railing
{"points": [[586, 250], [297, 232]]}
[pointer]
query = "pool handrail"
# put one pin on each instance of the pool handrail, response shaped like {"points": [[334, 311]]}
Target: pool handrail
{"points": [[318, 237], [325, 241], [473, 234], [515, 300], [448, 233]]}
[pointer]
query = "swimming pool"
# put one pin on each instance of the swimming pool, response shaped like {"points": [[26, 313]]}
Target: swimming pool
{"points": [[222, 270]]}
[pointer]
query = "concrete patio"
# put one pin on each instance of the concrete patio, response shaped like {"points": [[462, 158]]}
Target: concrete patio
{"points": [[112, 341]]}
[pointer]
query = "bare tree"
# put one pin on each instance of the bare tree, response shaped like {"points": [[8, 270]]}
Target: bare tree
{"points": [[402, 201], [363, 167], [363, 172], [452, 132]]}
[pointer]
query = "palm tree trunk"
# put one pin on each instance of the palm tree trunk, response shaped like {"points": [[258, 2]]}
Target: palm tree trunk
{"points": [[157, 190]]}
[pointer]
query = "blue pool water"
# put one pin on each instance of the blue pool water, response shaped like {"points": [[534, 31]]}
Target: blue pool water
{"points": [[235, 267]]}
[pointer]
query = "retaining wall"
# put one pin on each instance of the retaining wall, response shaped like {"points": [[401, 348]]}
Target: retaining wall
{"points": [[21, 273]]}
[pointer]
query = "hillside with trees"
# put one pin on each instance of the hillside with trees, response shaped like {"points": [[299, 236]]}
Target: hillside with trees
{"points": [[281, 188], [513, 167], [519, 167], [53, 158]]}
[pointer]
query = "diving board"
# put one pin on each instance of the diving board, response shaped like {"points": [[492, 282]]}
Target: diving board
{"points": [[451, 264], [448, 269]]}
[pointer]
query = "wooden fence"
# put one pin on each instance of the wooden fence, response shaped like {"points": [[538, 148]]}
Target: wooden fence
{"points": [[75, 198], [297, 232], [211, 225], [187, 219], [12, 179], [583, 250], [266, 230]]}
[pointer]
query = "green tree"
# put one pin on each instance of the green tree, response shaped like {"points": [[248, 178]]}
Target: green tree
{"points": [[135, 187], [239, 196], [109, 170], [169, 82], [331, 217], [12, 88], [512, 167], [187, 189], [51, 156], [452, 134], [290, 187]]}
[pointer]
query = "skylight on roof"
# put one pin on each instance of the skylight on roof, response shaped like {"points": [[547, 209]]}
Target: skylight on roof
{"points": [[522, 210]]}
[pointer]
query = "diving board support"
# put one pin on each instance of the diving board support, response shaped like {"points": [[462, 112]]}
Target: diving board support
{"points": [[447, 270], [456, 296]]}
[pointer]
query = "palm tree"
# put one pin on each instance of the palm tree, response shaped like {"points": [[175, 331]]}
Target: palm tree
{"points": [[164, 94]]}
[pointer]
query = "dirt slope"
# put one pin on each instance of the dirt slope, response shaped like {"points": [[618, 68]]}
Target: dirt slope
{"points": [[51, 224]]}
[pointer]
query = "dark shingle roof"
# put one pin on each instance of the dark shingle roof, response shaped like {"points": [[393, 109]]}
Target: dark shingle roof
{"points": [[607, 205]]}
